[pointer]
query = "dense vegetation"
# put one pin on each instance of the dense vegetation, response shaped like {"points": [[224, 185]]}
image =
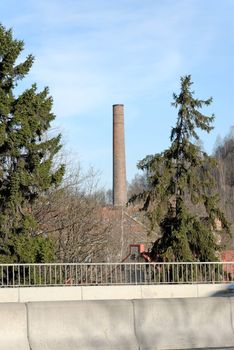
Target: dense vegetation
{"points": [[224, 174], [179, 180], [26, 157], [46, 215]]}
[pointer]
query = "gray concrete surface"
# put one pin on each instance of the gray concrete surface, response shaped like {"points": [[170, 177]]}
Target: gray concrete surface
{"points": [[184, 323], [103, 325], [145, 324], [13, 327], [27, 294]]}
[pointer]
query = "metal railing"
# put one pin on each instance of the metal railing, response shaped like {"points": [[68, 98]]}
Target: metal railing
{"points": [[74, 274]]}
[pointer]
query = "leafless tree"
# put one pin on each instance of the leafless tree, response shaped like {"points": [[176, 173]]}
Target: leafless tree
{"points": [[224, 153], [72, 216]]}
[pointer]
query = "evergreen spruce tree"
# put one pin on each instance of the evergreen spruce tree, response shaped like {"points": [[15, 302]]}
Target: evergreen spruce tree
{"points": [[26, 156], [179, 180]]}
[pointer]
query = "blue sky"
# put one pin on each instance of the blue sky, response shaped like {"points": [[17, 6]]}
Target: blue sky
{"points": [[96, 53]]}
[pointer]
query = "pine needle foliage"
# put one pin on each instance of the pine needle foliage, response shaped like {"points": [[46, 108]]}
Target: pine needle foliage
{"points": [[179, 180], [26, 156]]}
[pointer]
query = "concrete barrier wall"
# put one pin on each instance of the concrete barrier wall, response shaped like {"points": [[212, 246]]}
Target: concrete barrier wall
{"points": [[82, 325], [148, 324], [108, 292], [49, 294], [13, 327], [8, 295], [184, 323]]}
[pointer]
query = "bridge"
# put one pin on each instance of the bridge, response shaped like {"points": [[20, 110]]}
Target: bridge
{"points": [[56, 306]]}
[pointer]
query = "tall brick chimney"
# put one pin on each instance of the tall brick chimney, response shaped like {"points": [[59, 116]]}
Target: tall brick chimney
{"points": [[119, 167]]}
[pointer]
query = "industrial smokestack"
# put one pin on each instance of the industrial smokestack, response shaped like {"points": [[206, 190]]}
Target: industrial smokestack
{"points": [[119, 167]]}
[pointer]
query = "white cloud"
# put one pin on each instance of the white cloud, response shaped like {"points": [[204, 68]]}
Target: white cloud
{"points": [[93, 53], [106, 55]]}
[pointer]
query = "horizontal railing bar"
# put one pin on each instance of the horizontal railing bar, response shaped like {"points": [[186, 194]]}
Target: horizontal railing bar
{"points": [[123, 264]]}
